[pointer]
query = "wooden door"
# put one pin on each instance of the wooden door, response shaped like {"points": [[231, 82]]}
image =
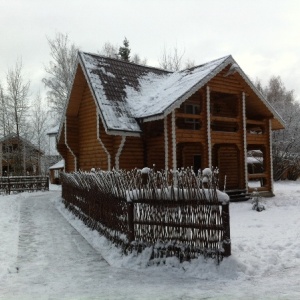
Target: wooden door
{"points": [[228, 164]]}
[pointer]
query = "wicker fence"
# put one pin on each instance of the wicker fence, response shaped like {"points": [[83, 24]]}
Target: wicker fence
{"points": [[23, 183], [177, 214]]}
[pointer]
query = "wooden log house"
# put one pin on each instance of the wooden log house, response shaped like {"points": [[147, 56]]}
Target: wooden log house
{"points": [[123, 115], [18, 156]]}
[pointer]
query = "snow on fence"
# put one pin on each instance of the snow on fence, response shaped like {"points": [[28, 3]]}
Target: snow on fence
{"points": [[23, 183], [177, 214]]}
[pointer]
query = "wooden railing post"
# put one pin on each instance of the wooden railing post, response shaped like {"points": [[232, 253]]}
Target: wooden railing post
{"points": [[130, 207], [226, 224]]}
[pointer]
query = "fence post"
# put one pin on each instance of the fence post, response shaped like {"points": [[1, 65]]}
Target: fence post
{"points": [[130, 207], [226, 224], [8, 181], [47, 183]]}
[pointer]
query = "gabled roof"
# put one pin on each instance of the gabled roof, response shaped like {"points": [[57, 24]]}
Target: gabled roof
{"points": [[111, 81], [53, 131], [13, 135], [59, 165], [126, 93]]}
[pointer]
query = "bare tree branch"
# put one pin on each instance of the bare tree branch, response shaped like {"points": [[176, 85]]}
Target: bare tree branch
{"points": [[60, 70]]}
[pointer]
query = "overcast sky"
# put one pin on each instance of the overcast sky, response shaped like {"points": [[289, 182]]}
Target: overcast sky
{"points": [[263, 36]]}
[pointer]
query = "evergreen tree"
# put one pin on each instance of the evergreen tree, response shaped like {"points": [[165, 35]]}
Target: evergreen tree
{"points": [[124, 52]]}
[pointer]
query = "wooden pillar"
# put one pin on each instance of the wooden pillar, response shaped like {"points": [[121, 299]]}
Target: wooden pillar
{"points": [[166, 143], [270, 157], [174, 154], [208, 128], [245, 139]]}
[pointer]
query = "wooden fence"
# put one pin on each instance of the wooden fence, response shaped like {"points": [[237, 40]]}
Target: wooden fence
{"points": [[23, 183], [182, 215]]}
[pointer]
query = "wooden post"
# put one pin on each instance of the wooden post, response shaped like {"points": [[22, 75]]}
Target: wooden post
{"points": [[130, 207], [226, 224], [8, 182]]}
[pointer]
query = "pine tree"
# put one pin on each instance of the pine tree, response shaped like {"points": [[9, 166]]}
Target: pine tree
{"points": [[124, 52]]}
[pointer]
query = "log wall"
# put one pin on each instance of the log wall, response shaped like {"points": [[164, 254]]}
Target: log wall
{"points": [[132, 155], [227, 159], [91, 153]]}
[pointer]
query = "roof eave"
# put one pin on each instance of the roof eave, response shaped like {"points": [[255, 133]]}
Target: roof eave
{"points": [[190, 92], [262, 98], [124, 132], [203, 82]]}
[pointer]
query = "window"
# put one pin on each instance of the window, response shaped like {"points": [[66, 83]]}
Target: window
{"points": [[192, 109]]}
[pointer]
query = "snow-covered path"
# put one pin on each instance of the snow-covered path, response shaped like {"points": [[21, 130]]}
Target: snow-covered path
{"points": [[42, 256], [55, 262]]}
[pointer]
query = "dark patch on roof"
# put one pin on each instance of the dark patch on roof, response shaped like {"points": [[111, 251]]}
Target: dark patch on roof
{"points": [[116, 74]]}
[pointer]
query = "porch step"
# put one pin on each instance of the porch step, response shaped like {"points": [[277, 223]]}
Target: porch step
{"points": [[238, 195]]}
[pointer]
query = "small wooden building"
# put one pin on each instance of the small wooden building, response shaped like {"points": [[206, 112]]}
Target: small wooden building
{"points": [[18, 156], [54, 172], [123, 115]]}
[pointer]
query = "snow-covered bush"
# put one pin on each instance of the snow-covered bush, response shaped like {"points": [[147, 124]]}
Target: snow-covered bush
{"points": [[256, 201]]}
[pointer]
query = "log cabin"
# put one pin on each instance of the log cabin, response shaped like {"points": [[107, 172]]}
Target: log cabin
{"points": [[122, 115], [18, 156]]}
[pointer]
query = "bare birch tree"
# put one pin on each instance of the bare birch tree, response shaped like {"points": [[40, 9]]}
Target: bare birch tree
{"points": [[172, 60], [137, 60], [109, 50], [17, 97], [60, 72], [39, 124], [16, 101], [286, 142], [4, 119]]}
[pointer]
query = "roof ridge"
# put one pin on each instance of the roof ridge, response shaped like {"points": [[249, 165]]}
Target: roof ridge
{"points": [[126, 62], [209, 62]]}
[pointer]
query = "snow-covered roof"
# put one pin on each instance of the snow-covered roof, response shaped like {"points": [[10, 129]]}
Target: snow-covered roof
{"points": [[58, 165], [110, 80], [53, 131], [126, 93], [254, 160], [158, 95], [13, 136]]}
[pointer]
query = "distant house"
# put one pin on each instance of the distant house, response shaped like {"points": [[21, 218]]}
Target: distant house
{"points": [[123, 115], [19, 156], [51, 156], [54, 172]]}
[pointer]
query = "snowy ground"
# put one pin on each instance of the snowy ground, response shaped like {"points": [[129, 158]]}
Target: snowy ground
{"points": [[45, 253]]}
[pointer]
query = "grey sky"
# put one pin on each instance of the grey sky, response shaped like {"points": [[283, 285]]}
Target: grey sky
{"points": [[263, 36]]}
